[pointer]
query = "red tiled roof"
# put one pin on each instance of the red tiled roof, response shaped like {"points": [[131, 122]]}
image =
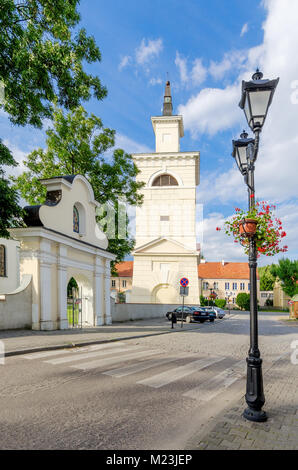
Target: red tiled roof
{"points": [[124, 269], [226, 271], [205, 271]]}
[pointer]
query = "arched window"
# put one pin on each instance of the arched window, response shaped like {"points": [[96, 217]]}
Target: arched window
{"points": [[165, 180], [76, 220], [2, 261]]}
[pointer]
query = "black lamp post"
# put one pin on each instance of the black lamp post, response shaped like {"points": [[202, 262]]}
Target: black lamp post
{"points": [[256, 98]]}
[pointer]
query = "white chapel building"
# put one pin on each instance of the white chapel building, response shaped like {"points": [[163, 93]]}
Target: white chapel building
{"points": [[166, 246]]}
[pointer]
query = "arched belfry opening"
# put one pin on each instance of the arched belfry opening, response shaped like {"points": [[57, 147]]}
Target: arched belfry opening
{"points": [[165, 180]]}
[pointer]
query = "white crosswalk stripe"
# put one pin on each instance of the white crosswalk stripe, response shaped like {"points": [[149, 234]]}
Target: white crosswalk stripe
{"points": [[103, 356], [139, 367], [114, 360], [218, 384], [173, 375], [78, 357], [41, 355]]}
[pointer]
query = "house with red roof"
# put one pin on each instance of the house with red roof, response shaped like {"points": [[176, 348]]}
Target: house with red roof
{"points": [[225, 279]]}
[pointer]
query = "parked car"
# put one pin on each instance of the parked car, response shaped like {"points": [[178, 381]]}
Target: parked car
{"points": [[209, 310], [190, 314], [219, 312]]}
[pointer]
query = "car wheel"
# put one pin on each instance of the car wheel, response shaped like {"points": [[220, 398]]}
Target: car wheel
{"points": [[188, 319], [201, 321], [170, 317], [211, 320]]}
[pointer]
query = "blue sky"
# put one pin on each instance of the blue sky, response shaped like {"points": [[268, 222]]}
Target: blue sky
{"points": [[206, 48]]}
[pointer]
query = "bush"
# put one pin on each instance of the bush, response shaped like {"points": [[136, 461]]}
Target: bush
{"points": [[220, 303], [243, 301], [269, 302], [203, 301]]}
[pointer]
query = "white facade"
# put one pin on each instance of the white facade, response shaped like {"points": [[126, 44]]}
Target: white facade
{"points": [[166, 247], [10, 265], [53, 251]]}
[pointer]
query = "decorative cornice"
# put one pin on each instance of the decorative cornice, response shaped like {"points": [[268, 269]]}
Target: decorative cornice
{"points": [[166, 155]]}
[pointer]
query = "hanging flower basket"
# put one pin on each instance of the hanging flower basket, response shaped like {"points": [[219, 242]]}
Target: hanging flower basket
{"points": [[248, 227], [261, 223]]}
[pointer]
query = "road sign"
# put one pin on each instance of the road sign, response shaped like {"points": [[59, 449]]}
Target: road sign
{"points": [[184, 291], [184, 282]]}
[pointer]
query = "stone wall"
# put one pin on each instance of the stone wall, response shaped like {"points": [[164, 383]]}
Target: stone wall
{"points": [[16, 307], [126, 312]]}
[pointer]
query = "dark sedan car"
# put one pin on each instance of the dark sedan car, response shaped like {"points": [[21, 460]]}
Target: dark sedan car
{"points": [[210, 311], [189, 314]]}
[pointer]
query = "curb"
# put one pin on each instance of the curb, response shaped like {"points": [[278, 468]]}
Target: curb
{"points": [[20, 352]]}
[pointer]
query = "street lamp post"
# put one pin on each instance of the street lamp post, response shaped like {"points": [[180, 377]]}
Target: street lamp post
{"points": [[256, 98]]}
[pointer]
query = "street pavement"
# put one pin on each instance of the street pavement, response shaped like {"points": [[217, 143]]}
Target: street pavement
{"points": [[162, 391]]}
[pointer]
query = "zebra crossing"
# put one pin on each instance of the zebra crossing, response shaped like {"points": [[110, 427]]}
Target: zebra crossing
{"points": [[119, 360]]}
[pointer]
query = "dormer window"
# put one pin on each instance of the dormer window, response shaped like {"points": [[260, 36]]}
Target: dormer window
{"points": [[165, 180], [76, 220]]}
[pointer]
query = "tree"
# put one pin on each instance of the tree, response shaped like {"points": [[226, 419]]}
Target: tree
{"points": [[243, 301], [10, 211], [77, 144], [220, 303], [287, 271], [267, 280], [41, 62], [41, 57]]}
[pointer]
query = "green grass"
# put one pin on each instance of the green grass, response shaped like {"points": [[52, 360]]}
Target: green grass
{"points": [[70, 315]]}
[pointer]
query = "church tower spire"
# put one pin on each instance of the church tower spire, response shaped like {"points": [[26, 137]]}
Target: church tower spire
{"points": [[167, 102]]}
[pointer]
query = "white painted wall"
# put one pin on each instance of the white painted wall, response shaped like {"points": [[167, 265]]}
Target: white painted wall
{"points": [[12, 279], [16, 308], [127, 312]]}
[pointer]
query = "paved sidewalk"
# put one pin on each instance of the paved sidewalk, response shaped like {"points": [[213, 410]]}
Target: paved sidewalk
{"points": [[230, 431], [23, 341]]}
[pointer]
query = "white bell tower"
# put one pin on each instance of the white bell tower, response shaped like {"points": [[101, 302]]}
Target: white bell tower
{"points": [[166, 247]]}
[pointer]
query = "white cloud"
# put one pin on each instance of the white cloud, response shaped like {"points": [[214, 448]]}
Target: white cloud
{"points": [[199, 72], [232, 59], [19, 155], [155, 81], [218, 246], [125, 61], [244, 29], [195, 76], [211, 110], [146, 52], [129, 145], [181, 63]]}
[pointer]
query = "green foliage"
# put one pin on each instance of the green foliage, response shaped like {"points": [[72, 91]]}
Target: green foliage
{"points": [[77, 144], [41, 59], [287, 271], [10, 212], [267, 279], [203, 301], [269, 302], [72, 283], [243, 301], [121, 297], [220, 303], [41, 63]]}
